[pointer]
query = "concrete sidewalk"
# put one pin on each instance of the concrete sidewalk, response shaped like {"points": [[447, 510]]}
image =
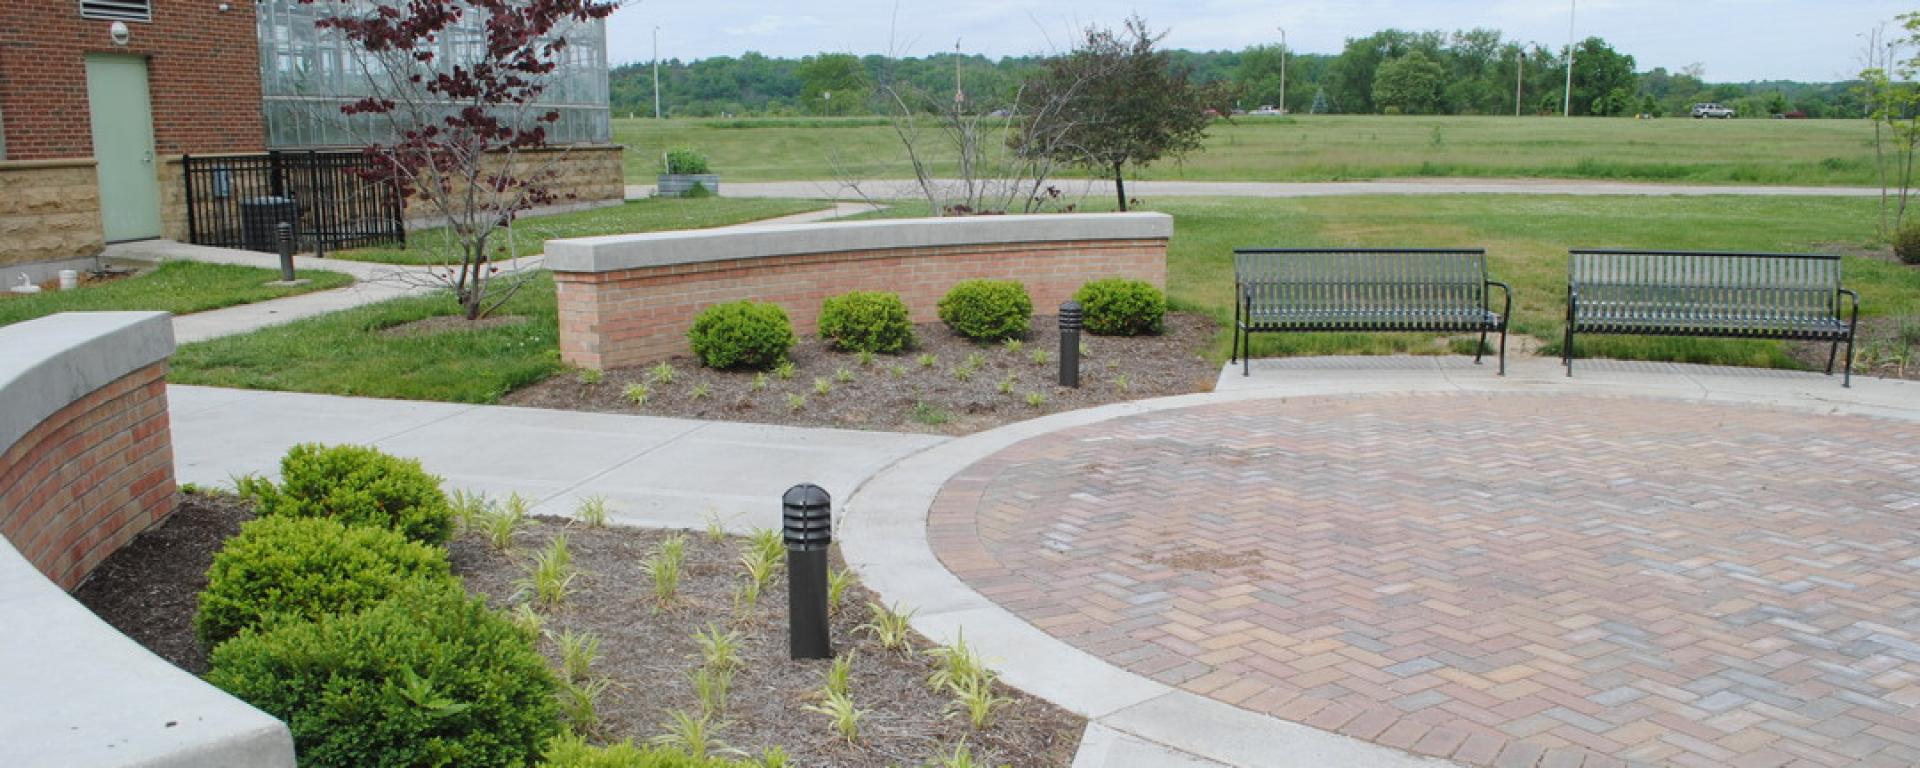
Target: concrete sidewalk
{"points": [[654, 472]]}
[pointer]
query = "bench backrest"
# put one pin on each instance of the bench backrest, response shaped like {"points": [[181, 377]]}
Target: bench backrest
{"points": [[1737, 285], [1414, 280]]}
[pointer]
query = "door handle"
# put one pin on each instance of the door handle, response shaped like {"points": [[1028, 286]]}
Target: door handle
{"points": [[147, 157]]}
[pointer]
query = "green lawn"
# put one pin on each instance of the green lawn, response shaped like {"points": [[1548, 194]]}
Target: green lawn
{"points": [[1526, 239], [1329, 147], [180, 287], [531, 234], [346, 354]]}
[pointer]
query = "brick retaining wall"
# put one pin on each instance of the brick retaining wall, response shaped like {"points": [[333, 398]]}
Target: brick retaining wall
{"points": [[629, 300]]}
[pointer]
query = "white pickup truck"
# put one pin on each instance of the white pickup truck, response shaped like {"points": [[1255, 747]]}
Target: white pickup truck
{"points": [[1710, 109]]}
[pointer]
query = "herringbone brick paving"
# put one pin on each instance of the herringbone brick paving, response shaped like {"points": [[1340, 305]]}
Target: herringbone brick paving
{"points": [[1506, 581]]}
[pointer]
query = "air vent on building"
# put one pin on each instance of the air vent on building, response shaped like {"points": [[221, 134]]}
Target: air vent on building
{"points": [[117, 10]]}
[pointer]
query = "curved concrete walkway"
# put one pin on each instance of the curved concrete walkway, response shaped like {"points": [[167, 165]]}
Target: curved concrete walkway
{"points": [[1138, 720]]}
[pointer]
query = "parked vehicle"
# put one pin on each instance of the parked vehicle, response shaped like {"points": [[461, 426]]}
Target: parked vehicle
{"points": [[1710, 109]]}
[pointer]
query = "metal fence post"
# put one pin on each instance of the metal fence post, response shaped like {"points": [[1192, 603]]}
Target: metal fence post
{"points": [[807, 517], [1070, 316], [284, 234]]}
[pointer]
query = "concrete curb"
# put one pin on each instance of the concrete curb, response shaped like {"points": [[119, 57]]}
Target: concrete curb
{"points": [[1135, 721]]}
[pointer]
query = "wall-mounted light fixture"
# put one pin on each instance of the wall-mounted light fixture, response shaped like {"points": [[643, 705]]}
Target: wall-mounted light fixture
{"points": [[119, 32]]}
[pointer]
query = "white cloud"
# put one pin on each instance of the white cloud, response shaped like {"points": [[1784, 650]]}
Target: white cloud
{"points": [[773, 24]]}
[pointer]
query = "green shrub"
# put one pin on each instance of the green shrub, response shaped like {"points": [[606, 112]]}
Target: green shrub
{"points": [[1906, 244], [356, 485], [987, 310], [570, 751], [1120, 307], [305, 568], [741, 334], [866, 321], [686, 161], [427, 677]]}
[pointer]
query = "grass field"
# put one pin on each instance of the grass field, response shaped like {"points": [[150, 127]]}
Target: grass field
{"points": [[1331, 147], [1526, 238], [180, 287], [530, 234]]}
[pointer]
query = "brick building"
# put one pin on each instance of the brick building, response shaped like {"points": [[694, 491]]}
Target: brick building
{"points": [[100, 99]]}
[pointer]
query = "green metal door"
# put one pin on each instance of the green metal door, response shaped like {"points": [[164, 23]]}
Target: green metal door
{"points": [[122, 117]]}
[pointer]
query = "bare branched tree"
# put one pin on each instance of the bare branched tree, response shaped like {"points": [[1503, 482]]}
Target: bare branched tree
{"points": [[454, 87]]}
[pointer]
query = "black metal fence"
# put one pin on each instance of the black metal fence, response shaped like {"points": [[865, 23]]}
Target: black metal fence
{"points": [[236, 201]]}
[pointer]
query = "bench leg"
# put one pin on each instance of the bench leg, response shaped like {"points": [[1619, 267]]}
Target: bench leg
{"points": [[1566, 351], [1831, 354], [1234, 353], [1503, 350], [1847, 381], [1246, 354], [1481, 347]]}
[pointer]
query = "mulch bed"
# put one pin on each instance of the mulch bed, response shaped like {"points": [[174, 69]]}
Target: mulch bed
{"points": [[148, 591], [897, 393], [1876, 346]]}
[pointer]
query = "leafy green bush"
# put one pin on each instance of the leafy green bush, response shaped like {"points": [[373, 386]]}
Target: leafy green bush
{"points": [[1906, 244], [1120, 307], [987, 310], [686, 161], [741, 334], [866, 321], [355, 485], [570, 751], [305, 568], [427, 677]]}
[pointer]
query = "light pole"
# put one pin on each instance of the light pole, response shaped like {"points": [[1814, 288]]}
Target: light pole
{"points": [[1573, 8], [1283, 69], [1519, 81], [656, 72]]}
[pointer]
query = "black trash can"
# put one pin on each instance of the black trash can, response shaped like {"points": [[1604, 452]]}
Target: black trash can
{"points": [[260, 219]]}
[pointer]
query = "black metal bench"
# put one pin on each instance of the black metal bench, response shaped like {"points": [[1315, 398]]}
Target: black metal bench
{"points": [[1364, 289], [1792, 296]]}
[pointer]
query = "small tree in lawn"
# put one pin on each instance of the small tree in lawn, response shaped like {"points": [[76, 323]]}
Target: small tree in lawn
{"points": [[1886, 86], [453, 86], [1129, 104]]}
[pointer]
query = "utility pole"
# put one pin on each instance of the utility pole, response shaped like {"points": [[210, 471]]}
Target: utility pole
{"points": [[1573, 8], [1283, 69], [1519, 80], [656, 72], [959, 94]]}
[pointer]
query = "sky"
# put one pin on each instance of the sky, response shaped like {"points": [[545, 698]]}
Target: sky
{"points": [[1734, 40]]}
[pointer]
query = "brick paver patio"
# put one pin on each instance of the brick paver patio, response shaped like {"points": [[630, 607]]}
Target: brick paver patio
{"points": [[1509, 581]]}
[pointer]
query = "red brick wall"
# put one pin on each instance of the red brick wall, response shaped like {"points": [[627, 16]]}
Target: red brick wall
{"points": [[90, 477], [203, 69], [614, 319]]}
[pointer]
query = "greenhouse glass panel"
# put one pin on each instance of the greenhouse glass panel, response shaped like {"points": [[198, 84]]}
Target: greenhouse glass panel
{"points": [[307, 74]]}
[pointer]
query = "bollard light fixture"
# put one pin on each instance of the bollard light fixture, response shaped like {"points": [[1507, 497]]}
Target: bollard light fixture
{"points": [[806, 513]]}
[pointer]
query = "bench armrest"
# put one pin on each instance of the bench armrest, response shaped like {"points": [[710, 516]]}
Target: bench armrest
{"points": [[1855, 319], [1506, 313]]}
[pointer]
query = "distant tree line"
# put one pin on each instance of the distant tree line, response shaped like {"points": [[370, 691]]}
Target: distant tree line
{"points": [[1472, 72]]}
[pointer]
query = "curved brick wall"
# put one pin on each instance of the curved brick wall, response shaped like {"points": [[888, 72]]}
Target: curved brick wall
{"points": [[629, 299], [86, 464]]}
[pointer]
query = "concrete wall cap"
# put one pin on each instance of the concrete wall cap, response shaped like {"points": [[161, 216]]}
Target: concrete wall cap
{"points": [[613, 253], [49, 363]]}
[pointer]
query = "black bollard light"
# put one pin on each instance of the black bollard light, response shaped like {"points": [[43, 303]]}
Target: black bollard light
{"points": [[807, 517], [1070, 315], [284, 234]]}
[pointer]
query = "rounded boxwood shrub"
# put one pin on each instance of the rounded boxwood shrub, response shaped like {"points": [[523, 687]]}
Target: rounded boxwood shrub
{"points": [[355, 485], [1120, 307], [1906, 244], [748, 334], [426, 677], [866, 321], [987, 310], [304, 568]]}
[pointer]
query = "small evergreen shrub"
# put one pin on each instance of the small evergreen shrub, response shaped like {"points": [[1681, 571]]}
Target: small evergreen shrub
{"points": [[1120, 307], [687, 162], [1906, 244], [866, 321], [306, 568], [737, 334], [427, 677], [987, 310], [355, 485]]}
